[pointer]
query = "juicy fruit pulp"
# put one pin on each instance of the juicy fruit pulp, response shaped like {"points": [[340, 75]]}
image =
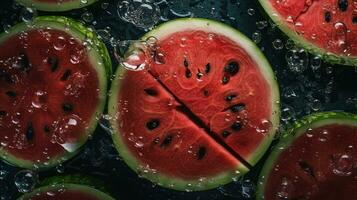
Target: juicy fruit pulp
{"points": [[328, 24], [319, 164], [190, 120], [45, 74]]}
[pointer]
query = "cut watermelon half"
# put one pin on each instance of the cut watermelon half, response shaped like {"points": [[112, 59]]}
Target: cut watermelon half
{"points": [[56, 5], [53, 84], [70, 187], [325, 27], [202, 117], [316, 159]]}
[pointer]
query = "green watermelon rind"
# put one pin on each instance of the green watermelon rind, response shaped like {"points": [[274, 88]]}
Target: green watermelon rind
{"points": [[296, 130], [98, 56], [55, 7], [186, 24], [57, 186], [302, 42]]}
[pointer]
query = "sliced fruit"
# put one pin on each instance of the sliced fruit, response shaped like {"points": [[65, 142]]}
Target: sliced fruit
{"points": [[191, 120], [316, 159], [56, 5], [70, 188], [46, 72], [327, 27]]}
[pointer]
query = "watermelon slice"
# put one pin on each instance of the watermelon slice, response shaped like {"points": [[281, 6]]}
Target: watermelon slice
{"points": [[46, 72], [56, 5], [316, 159], [325, 27], [70, 187], [202, 115]]}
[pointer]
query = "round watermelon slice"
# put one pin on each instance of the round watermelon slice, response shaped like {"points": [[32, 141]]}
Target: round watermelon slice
{"points": [[71, 187], [56, 5], [325, 27], [316, 159], [53, 83], [201, 116]]}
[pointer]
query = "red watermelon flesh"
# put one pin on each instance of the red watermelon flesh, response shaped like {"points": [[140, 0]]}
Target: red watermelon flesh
{"points": [[328, 24], [221, 84], [154, 128], [45, 79], [320, 164]]}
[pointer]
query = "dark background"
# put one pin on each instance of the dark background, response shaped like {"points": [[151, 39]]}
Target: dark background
{"points": [[321, 88]]}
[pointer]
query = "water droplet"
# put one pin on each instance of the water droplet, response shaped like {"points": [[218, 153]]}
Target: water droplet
{"points": [[25, 180], [28, 14]]}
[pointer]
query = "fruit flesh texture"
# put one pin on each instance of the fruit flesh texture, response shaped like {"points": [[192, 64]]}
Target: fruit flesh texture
{"points": [[320, 164], [176, 141], [37, 66], [328, 24], [191, 153], [207, 96]]}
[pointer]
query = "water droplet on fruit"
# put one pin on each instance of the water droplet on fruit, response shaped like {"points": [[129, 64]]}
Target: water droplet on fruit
{"points": [[25, 180], [59, 43], [286, 188], [77, 54], [342, 165]]}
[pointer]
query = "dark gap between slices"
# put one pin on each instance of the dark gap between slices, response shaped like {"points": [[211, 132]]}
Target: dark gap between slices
{"points": [[188, 113]]}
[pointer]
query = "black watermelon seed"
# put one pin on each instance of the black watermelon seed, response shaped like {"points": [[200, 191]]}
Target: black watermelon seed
{"points": [[208, 68], [152, 124], [66, 107], [53, 62], [2, 113], [225, 134], [201, 153], [328, 16], [66, 75], [151, 92], [206, 93], [188, 73], [230, 97], [24, 62], [46, 129], [199, 75], [343, 5], [11, 94], [185, 63], [354, 19], [167, 141], [225, 79], [236, 126], [6, 77], [232, 68], [238, 107], [307, 168], [29, 132]]}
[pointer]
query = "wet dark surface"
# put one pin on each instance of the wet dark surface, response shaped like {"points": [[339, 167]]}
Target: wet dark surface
{"points": [[333, 86]]}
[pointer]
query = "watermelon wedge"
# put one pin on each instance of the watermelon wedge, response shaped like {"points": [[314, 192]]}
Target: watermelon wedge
{"points": [[56, 5], [201, 116], [324, 27], [52, 88], [70, 187], [316, 159]]}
